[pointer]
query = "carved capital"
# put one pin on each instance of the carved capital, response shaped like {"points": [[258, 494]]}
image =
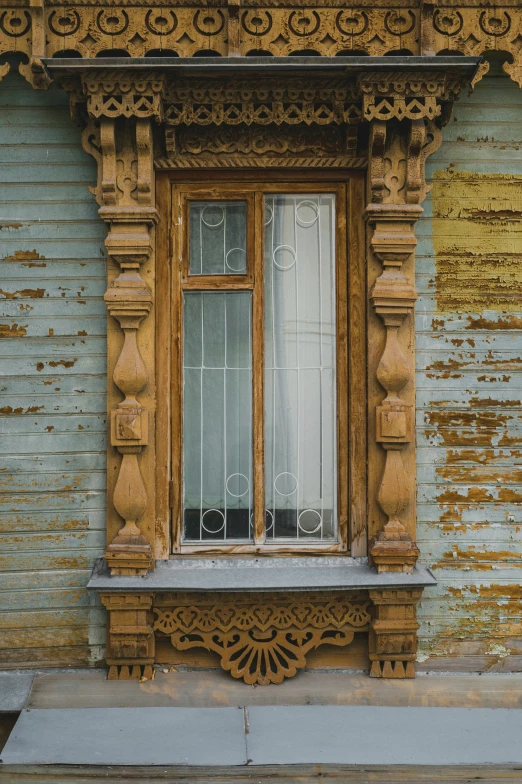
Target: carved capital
{"points": [[403, 96], [112, 94]]}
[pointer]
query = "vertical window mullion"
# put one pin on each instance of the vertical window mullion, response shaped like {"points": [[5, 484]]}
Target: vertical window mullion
{"points": [[258, 372]]}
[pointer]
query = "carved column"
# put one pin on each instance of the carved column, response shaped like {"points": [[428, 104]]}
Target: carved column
{"points": [[404, 115], [120, 108]]}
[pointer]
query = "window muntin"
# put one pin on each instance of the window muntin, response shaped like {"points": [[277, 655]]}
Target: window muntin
{"points": [[332, 535]]}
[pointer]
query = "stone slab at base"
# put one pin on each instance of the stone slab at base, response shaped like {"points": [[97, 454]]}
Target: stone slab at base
{"points": [[266, 735]]}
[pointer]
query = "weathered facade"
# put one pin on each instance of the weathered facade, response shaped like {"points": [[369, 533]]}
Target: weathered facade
{"points": [[448, 497]]}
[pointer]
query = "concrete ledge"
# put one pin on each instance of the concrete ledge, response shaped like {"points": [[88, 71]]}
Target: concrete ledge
{"points": [[260, 574]]}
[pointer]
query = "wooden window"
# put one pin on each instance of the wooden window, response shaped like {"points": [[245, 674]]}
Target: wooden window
{"points": [[260, 453]]}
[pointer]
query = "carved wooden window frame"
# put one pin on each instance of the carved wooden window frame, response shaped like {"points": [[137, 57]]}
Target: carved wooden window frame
{"points": [[350, 189]]}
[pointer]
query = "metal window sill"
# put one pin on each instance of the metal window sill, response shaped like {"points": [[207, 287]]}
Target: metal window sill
{"points": [[255, 574]]}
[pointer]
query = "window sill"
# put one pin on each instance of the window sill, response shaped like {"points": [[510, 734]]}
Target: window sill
{"points": [[260, 575]]}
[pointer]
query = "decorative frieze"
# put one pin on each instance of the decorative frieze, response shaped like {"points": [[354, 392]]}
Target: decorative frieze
{"points": [[261, 101], [47, 28]]}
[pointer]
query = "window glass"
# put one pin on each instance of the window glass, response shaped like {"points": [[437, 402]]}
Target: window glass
{"points": [[300, 373], [217, 416], [218, 238]]}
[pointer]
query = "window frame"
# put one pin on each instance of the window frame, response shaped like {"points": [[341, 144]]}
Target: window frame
{"points": [[174, 191]]}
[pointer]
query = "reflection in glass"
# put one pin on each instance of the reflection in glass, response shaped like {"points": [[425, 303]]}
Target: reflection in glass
{"points": [[300, 377], [218, 238], [217, 416]]}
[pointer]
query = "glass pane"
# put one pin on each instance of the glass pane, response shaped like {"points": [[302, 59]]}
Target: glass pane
{"points": [[217, 416], [300, 377], [218, 238]]}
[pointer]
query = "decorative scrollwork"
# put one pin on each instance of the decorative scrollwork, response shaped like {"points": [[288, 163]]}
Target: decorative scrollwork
{"points": [[262, 639], [260, 141]]}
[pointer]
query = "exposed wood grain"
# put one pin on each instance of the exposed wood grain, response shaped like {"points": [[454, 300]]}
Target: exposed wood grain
{"points": [[216, 689], [279, 774], [163, 368], [358, 424]]}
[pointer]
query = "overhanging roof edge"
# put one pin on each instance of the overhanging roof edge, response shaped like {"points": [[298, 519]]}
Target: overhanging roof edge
{"points": [[241, 66]]}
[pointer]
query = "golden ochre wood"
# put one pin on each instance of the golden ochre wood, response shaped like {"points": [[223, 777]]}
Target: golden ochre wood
{"points": [[48, 28], [265, 637], [262, 638]]}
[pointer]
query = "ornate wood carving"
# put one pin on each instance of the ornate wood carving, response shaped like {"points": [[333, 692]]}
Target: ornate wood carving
{"points": [[265, 101], [398, 150], [393, 633], [130, 636], [47, 28], [119, 136], [265, 638]]}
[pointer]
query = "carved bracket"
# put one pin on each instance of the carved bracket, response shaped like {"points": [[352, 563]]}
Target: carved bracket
{"points": [[130, 636], [261, 639], [393, 633]]}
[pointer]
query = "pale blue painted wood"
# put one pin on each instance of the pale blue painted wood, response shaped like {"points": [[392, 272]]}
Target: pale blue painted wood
{"points": [[52, 383], [469, 466]]}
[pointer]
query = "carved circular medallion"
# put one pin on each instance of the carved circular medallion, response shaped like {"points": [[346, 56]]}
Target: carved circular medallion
{"points": [[495, 23], [447, 22], [112, 22], [161, 22], [15, 23], [209, 22], [66, 22], [257, 22], [352, 22], [399, 22], [303, 23]]}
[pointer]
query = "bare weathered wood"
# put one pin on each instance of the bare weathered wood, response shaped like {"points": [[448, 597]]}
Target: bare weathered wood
{"points": [[214, 688], [279, 774]]}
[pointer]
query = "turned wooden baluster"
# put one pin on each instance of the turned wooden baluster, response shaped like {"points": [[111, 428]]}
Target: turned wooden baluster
{"points": [[393, 297], [129, 300]]}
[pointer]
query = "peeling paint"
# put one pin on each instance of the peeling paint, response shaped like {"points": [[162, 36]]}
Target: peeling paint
{"points": [[477, 236], [31, 293], [26, 255], [13, 330]]}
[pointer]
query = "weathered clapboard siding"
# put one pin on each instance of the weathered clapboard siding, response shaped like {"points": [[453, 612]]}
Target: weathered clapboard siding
{"points": [[469, 386], [52, 383]]}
